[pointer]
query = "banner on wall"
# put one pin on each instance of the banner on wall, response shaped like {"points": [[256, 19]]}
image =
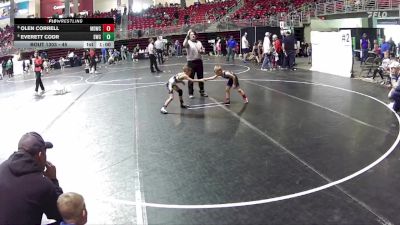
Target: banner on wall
{"points": [[50, 7], [21, 8], [332, 52]]}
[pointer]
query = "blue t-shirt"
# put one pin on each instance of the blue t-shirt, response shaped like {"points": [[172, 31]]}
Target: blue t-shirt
{"points": [[232, 43], [364, 43], [385, 47]]}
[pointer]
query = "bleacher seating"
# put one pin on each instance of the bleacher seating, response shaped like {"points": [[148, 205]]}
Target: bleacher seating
{"points": [[168, 16], [6, 39], [261, 8]]}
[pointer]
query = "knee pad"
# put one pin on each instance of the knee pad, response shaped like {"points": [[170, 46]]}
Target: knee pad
{"points": [[180, 92]]}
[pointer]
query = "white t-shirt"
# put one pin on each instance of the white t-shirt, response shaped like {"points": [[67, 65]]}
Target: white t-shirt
{"points": [[245, 43], [267, 45], [386, 63], [150, 48], [159, 44], [193, 51]]}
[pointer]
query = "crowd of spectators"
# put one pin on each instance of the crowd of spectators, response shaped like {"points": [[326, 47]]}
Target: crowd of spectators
{"points": [[160, 16], [6, 39]]}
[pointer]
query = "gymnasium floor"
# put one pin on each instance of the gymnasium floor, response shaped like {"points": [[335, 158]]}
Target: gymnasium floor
{"points": [[309, 148]]}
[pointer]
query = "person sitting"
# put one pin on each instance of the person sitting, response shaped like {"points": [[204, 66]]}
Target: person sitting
{"points": [[394, 94], [384, 67], [28, 183]]}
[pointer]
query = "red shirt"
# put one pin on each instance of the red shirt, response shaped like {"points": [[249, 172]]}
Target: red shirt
{"points": [[278, 46], [38, 64], [92, 53]]}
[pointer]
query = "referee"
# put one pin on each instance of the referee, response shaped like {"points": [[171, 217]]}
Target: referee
{"points": [[194, 48], [153, 60]]}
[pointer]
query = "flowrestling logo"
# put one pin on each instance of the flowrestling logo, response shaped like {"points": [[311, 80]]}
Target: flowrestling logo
{"points": [[377, 14]]}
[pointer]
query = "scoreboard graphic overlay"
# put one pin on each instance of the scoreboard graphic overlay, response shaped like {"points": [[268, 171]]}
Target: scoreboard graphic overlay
{"points": [[64, 33]]}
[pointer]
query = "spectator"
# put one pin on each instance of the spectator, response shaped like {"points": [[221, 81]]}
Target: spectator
{"points": [[9, 67], [245, 46], [365, 45], [4, 68], [231, 48], [28, 183], [266, 66], [72, 208], [159, 45], [123, 53], [385, 47], [62, 63], [288, 47], [392, 49], [104, 55], [278, 54], [377, 50], [92, 61], [218, 46], [71, 57], [178, 48], [223, 46], [135, 54]]}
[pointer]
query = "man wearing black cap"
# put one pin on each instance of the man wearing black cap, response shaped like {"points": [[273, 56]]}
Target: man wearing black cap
{"points": [[28, 183]]}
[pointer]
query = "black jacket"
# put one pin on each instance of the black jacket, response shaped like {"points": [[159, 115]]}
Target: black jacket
{"points": [[25, 193]]}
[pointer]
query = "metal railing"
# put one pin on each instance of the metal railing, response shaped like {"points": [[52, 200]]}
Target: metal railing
{"points": [[226, 24], [164, 31], [344, 6]]}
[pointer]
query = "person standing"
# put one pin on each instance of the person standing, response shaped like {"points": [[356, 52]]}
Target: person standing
{"points": [[223, 46], [385, 47], [278, 54], [159, 45], [231, 48], [153, 60], [194, 49], [135, 54], [288, 47], [8, 67], [178, 48], [245, 46], [92, 59], [266, 65], [28, 183], [4, 68], [392, 49], [38, 73], [104, 55], [365, 45]]}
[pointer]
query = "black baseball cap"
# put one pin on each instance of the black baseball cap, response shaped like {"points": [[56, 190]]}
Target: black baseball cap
{"points": [[33, 143]]}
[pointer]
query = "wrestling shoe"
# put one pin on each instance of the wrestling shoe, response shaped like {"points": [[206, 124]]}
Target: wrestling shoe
{"points": [[163, 110], [203, 94], [246, 100], [183, 106], [191, 96]]}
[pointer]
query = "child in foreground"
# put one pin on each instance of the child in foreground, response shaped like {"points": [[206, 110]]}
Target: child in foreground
{"points": [[172, 85]]}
